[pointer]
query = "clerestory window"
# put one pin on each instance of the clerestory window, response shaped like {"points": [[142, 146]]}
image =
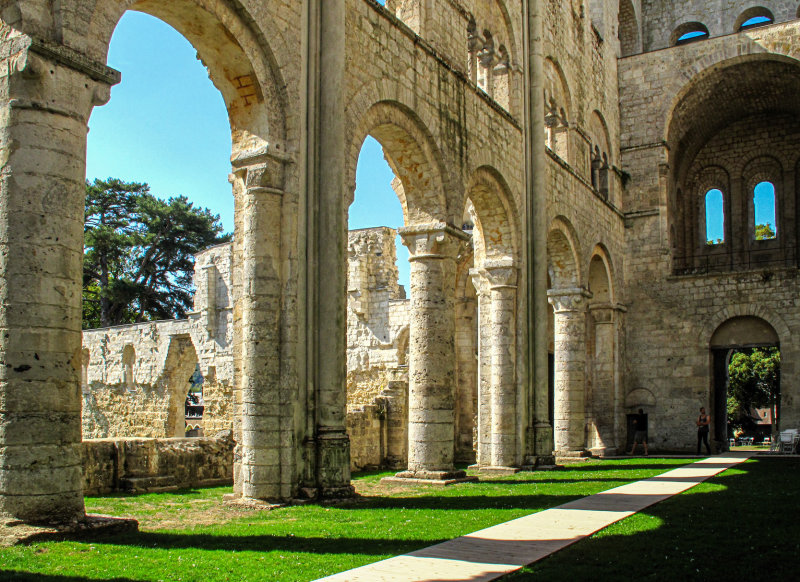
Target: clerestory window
{"points": [[715, 217], [765, 225]]}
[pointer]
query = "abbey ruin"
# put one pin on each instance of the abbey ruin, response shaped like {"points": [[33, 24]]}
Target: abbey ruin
{"points": [[556, 162]]}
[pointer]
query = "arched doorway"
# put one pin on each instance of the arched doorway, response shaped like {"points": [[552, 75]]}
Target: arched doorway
{"points": [[752, 338]]}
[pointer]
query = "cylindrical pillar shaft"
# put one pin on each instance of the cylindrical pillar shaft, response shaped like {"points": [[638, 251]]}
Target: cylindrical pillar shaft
{"points": [[258, 212], [44, 110], [502, 304], [434, 249], [569, 414]]}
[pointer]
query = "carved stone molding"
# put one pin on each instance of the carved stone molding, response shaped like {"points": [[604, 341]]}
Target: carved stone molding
{"points": [[433, 241], [500, 274], [606, 312], [565, 300]]}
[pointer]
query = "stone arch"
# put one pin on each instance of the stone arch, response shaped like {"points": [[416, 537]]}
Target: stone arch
{"points": [[601, 276], [562, 255], [687, 28], [409, 149], [179, 366], [629, 30], [744, 310], [496, 234], [601, 155], [753, 12], [240, 62]]}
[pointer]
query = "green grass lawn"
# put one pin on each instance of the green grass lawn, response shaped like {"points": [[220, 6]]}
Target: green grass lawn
{"points": [[743, 524], [190, 535]]}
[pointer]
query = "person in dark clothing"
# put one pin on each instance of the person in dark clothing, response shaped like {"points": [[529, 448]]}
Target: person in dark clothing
{"points": [[640, 431], [703, 422]]}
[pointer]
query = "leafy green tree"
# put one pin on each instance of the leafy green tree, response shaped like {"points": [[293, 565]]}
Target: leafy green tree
{"points": [[139, 253], [753, 383], [764, 232]]}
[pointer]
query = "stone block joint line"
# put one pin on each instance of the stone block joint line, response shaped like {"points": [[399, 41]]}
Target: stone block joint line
{"points": [[501, 549]]}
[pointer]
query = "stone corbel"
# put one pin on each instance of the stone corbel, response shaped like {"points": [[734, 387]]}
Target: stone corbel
{"points": [[572, 299], [433, 241]]}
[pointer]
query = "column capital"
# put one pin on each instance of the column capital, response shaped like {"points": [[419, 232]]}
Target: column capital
{"points": [[436, 240], [500, 274], [566, 300], [56, 79]]}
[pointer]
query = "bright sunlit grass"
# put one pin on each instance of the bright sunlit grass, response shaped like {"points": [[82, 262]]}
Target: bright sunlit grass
{"points": [[191, 536]]}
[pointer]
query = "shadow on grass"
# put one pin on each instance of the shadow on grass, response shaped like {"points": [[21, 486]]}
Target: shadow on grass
{"points": [[744, 526], [366, 546]]}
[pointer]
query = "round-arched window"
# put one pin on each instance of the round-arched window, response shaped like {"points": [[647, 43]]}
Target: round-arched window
{"points": [[715, 217], [765, 225]]}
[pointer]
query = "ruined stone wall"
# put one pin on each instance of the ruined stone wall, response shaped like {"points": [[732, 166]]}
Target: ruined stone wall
{"points": [[137, 465], [136, 377]]}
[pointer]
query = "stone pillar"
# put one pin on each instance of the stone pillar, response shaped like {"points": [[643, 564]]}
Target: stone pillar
{"points": [[539, 441], [569, 416], [431, 370], [262, 435], [502, 285], [484, 364], [328, 446], [606, 397], [47, 96]]}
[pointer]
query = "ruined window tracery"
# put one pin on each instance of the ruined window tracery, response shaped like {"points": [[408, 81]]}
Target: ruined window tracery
{"points": [[489, 68]]}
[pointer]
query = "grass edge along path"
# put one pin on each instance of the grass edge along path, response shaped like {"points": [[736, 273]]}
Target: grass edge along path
{"points": [[304, 542], [493, 552]]}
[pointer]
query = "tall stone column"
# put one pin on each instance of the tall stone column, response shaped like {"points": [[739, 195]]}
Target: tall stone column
{"points": [[431, 368], [502, 281], [326, 227], [606, 397], [539, 441], [46, 95], [569, 414], [263, 437]]}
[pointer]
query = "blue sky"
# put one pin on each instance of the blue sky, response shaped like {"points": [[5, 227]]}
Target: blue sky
{"points": [[166, 125], [763, 204]]}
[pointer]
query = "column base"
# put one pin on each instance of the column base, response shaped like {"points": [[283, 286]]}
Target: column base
{"points": [[571, 455], [14, 532], [604, 452], [423, 477], [495, 470], [250, 502]]}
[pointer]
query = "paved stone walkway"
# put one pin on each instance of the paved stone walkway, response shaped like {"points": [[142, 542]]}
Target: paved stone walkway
{"points": [[495, 551]]}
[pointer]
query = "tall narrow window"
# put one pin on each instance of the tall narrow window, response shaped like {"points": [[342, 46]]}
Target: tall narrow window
{"points": [[128, 360], [715, 217], [764, 211]]}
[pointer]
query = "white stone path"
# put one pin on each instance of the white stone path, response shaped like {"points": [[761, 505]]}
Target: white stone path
{"points": [[501, 549]]}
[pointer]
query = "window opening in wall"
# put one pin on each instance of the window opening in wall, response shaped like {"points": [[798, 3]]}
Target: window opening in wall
{"points": [[764, 211], [715, 217], [689, 32], [195, 405], [128, 360], [755, 22]]}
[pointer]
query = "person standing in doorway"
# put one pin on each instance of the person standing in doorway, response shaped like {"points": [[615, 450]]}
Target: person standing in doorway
{"points": [[640, 431], [703, 422]]}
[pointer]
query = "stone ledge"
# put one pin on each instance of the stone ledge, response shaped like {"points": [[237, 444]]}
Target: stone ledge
{"points": [[13, 532]]}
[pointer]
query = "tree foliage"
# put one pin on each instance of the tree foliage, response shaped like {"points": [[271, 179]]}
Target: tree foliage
{"points": [[753, 379], [139, 251], [764, 232]]}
